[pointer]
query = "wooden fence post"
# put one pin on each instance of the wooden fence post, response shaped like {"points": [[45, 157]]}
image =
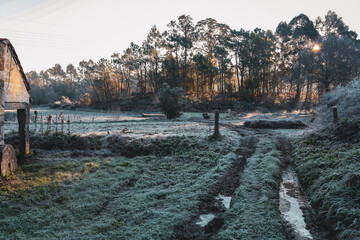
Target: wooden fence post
{"points": [[35, 120], [62, 125], [68, 122], [23, 116], [41, 125], [216, 128], [48, 130], [56, 120], [335, 114]]}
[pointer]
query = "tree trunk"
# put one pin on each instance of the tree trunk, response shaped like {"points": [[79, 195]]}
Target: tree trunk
{"points": [[237, 72], [185, 69], [242, 81], [197, 85], [145, 76], [298, 92]]}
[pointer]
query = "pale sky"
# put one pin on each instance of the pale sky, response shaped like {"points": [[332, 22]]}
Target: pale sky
{"points": [[46, 32]]}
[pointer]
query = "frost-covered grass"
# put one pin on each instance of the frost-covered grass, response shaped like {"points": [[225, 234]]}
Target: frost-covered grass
{"points": [[254, 211], [129, 124], [346, 99], [57, 196], [329, 169], [134, 125], [125, 146], [84, 114], [169, 166], [328, 162]]}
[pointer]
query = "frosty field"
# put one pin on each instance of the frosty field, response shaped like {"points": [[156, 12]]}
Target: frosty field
{"points": [[134, 125], [128, 175]]}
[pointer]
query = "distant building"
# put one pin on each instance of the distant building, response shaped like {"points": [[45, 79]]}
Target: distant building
{"points": [[14, 94]]}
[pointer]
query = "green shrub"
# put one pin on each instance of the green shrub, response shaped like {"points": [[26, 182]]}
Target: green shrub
{"points": [[171, 101]]}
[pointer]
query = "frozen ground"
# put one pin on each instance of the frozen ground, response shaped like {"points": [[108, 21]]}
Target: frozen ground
{"points": [[195, 187], [135, 125]]}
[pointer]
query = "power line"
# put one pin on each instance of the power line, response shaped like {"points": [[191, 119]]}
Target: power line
{"points": [[25, 35], [50, 41], [61, 42], [19, 42], [41, 23], [45, 34]]}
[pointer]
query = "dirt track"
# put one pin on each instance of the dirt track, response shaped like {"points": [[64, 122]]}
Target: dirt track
{"points": [[232, 180], [294, 189], [210, 204]]}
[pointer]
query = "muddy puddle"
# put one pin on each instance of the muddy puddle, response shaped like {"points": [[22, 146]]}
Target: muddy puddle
{"points": [[204, 219], [291, 204], [225, 200], [300, 220]]}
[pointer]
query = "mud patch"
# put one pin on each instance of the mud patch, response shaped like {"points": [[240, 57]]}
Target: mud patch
{"points": [[291, 203], [207, 218]]}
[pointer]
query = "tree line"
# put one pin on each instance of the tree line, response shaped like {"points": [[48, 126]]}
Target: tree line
{"points": [[298, 62]]}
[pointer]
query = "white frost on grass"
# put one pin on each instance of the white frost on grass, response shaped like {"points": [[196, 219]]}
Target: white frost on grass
{"points": [[132, 125], [128, 124], [149, 129], [225, 200], [290, 205], [205, 219]]}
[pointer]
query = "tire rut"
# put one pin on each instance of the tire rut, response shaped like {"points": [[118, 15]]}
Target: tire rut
{"points": [[313, 224], [210, 203]]}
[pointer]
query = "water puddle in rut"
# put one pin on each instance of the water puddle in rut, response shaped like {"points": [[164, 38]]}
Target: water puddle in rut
{"points": [[205, 219], [225, 200], [291, 203]]}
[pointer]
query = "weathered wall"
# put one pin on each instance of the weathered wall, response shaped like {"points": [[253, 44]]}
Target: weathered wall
{"points": [[14, 87], [1, 112], [13, 94], [3, 56]]}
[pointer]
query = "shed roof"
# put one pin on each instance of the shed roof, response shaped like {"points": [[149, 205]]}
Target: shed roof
{"points": [[5, 41]]}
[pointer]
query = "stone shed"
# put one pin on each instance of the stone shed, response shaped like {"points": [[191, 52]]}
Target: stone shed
{"points": [[14, 94]]}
